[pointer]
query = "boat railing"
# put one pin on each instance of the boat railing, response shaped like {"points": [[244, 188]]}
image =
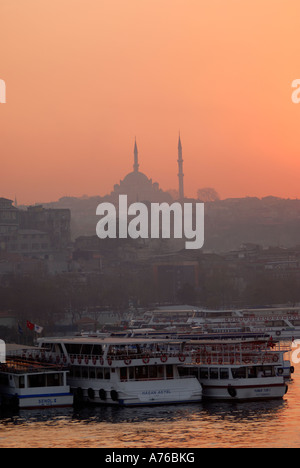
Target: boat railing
{"points": [[17, 365], [202, 354], [238, 358], [127, 358]]}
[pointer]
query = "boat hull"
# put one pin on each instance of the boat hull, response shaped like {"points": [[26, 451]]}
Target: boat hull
{"points": [[143, 393], [268, 388], [37, 401]]}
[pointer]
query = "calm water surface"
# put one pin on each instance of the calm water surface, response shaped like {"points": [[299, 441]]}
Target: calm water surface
{"points": [[262, 424]]}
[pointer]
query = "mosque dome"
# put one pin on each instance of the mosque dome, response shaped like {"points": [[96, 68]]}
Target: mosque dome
{"points": [[138, 187]]}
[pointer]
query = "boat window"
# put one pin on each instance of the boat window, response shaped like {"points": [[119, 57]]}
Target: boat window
{"points": [[100, 374], [224, 373], [266, 371], [141, 372], [47, 346], [123, 373], [92, 372], [50, 347], [160, 372], [152, 372], [296, 323], [169, 371], [38, 380], [204, 373], [131, 373], [97, 350], [251, 372], [54, 380], [107, 373], [20, 381], [239, 373], [86, 349], [213, 373], [4, 379], [73, 348], [57, 348]]}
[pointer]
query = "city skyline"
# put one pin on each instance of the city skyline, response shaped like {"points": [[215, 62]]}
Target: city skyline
{"points": [[83, 81]]}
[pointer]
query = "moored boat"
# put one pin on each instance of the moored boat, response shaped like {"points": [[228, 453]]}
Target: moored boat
{"points": [[123, 371], [28, 384], [235, 372]]}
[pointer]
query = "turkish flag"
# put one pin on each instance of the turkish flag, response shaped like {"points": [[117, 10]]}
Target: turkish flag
{"points": [[30, 325]]}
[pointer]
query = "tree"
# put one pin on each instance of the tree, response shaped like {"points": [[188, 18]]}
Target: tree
{"points": [[207, 194]]}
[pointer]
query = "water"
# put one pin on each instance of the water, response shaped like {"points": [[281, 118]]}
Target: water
{"points": [[255, 424]]}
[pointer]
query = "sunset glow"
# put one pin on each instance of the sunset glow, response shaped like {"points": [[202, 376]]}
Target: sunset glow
{"points": [[84, 78]]}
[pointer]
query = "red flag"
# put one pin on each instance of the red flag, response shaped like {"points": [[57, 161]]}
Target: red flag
{"points": [[30, 325]]}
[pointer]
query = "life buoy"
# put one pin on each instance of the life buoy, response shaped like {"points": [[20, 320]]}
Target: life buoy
{"points": [[94, 360], [78, 395], [79, 359], [292, 369], [72, 359], [109, 361], [275, 358], [114, 395], [102, 394], [127, 361], [86, 359], [198, 360], [146, 359], [164, 358], [220, 361], [101, 361], [181, 357], [278, 333], [231, 391]]}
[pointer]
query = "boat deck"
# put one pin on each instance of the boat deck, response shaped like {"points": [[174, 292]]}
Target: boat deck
{"points": [[18, 365]]}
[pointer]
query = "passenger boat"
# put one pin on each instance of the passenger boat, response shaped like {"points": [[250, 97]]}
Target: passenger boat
{"points": [[280, 322], [28, 384], [123, 371], [238, 372]]}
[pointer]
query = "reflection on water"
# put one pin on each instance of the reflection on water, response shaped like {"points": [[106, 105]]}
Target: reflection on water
{"points": [[255, 424]]}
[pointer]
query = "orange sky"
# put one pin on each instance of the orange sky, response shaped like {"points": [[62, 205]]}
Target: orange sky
{"points": [[84, 77]]}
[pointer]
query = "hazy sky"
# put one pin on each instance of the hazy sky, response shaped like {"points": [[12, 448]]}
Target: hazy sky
{"points": [[84, 77]]}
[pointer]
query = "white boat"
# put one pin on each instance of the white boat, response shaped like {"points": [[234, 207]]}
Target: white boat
{"points": [[28, 384], [237, 372], [123, 371], [280, 322]]}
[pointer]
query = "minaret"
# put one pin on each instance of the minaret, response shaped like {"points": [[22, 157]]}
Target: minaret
{"points": [[180, 170], [136, 159]]}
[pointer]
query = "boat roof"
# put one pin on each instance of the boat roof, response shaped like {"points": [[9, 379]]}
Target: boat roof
{"points": [[107, 340], [27, 366]]}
